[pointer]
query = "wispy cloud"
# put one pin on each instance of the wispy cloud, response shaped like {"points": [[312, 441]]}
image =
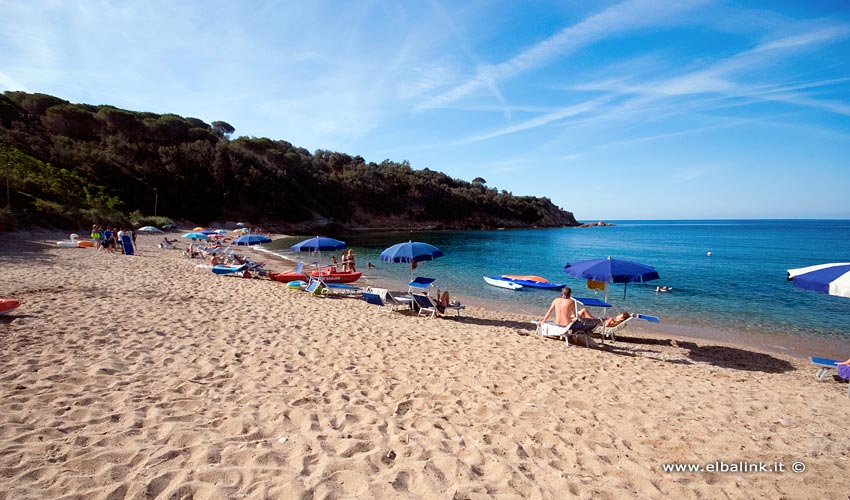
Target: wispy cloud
{"points": [[625, 16]]}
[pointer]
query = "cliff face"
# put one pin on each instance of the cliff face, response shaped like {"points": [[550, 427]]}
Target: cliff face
{"points": [[185, 168]]}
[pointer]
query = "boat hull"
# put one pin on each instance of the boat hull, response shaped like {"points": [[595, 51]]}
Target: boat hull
{"points": [[8, 305], [286, 277], [337, 277], [539, 284], [502, 283]]}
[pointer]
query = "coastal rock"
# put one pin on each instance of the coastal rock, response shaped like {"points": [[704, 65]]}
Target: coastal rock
{"points": [[601, 223]]}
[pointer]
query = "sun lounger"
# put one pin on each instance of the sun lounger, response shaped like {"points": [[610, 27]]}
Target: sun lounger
{"points": [[824, 367], [343, 289], [420, 285], [427, 306], [375, 299], [611, 331], [578, 327]]}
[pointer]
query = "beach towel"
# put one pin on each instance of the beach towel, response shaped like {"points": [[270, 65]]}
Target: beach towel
{"points": [[595, 285], [127, 244]]}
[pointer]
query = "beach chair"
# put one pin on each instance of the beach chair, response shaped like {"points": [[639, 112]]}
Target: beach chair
{"points": [[579, 327], [317, 288], [611, 331], [825, 366], [426, 306], [375, 299], [392, 300], [343, 289], [420, 285]]}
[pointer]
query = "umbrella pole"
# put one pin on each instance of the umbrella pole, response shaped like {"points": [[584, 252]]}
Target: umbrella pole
{"points": [[625, 286]]}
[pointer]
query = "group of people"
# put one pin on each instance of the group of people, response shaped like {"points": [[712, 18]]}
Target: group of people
{"points": [[110, 239], [348, 264]]}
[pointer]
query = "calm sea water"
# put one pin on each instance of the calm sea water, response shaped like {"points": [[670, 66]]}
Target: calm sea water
{"points": [[741, 287]]}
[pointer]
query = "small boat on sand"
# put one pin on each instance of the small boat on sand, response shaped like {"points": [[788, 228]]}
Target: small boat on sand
{"points": [[502, 283], [225, 269], [8, 305]]}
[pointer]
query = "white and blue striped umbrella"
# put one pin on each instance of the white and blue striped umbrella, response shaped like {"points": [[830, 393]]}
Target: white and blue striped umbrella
{"points": [[831, 279]]}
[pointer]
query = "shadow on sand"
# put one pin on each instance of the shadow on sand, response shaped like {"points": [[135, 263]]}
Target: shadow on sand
{"points": [[722, 356]]}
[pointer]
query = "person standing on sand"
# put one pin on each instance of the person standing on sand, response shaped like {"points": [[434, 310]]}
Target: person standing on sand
{"points": [[564, 308], [351, 266]]}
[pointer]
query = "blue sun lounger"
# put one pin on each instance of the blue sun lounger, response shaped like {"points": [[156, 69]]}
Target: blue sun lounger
{"points": [[825, 366], [420, 285]]}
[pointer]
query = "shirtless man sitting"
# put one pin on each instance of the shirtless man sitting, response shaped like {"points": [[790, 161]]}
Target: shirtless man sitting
{"points": [[564, 308]]}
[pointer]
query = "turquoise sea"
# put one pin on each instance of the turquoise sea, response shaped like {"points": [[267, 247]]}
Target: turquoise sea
{"points": [[740, 287]]}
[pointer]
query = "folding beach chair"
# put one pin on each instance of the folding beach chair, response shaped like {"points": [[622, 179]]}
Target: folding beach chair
{"points": [[317, 287], [426, 306], [375, 299]]}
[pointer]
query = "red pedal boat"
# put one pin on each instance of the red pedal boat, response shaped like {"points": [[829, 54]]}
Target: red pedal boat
{"points": [[286, 277], [331, 276]]}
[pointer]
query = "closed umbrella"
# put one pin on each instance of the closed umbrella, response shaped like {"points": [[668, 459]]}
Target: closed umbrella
{"points": [[611, 271]]}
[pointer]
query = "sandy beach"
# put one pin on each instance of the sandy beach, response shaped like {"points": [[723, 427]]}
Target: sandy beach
{"points": [[150, 377]]}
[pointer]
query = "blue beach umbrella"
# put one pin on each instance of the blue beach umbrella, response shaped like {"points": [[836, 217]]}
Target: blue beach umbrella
{"points": [[830, 279], [251, 239], [611, 271], [195, 236], [411, 252], [318, 244]]}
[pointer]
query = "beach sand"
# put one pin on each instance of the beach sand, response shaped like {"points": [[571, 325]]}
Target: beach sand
{"points": [[149, 377]]}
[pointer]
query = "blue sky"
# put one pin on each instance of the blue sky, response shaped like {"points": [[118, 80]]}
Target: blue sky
{"points": [[614, 110]]}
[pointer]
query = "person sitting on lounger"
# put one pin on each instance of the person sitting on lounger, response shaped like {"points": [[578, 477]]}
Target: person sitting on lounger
{"points": [[609, 322], [564, 308], [843, 371], [442, 302]]}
